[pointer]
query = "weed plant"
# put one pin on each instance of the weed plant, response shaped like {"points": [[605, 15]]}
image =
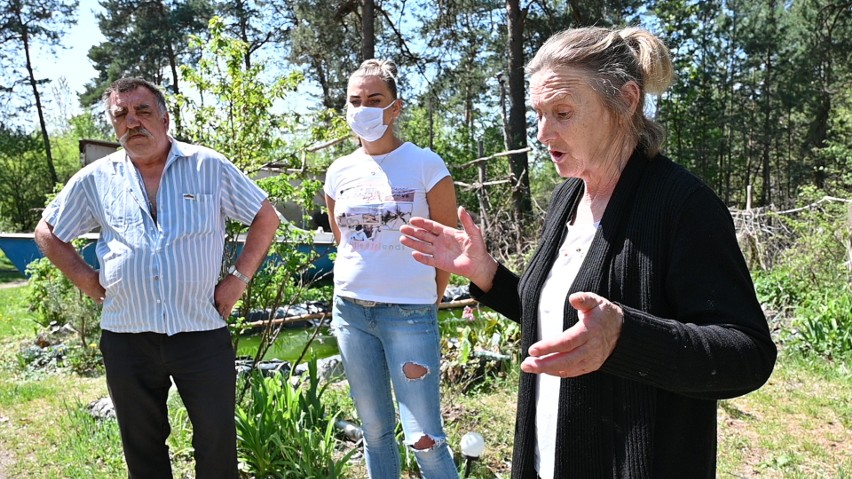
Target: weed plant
{"points": [[285, 430], [94, 445], [799, 425], [477, 344]]}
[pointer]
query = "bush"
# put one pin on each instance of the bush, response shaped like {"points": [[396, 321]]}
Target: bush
{"points": [[478, 345], [809, 281], [823, 324], [56, 300]]}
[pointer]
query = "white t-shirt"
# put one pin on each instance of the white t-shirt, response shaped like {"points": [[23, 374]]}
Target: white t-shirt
{"points": [[374, 196], [551, 309]]}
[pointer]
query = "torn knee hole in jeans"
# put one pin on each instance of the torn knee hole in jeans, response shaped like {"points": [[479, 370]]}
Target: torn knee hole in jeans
{"points": [[425, 443], [414, 371]]}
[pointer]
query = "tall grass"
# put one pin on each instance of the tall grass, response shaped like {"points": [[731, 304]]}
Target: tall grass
{"points": [[285, 431]]}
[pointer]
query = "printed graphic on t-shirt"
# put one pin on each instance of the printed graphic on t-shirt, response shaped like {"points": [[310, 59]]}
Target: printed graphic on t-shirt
{"points": [[366, 213]]}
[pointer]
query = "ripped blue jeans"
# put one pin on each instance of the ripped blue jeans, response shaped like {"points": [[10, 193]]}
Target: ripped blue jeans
{"points": [[395, 344]]}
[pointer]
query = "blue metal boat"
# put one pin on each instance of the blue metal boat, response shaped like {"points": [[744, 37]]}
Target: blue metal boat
{"points": [[21, 249]]}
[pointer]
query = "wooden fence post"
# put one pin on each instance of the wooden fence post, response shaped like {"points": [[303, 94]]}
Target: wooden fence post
{"points": [[849, 230], [480, 193]]}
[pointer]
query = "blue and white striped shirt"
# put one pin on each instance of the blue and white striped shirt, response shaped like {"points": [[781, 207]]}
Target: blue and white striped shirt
{"points": [[159, 277]]}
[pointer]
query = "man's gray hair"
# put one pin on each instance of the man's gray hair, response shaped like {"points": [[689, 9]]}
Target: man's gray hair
{"points": [[129, 84]]}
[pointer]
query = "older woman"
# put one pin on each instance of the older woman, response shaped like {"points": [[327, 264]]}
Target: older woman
{"points": [[637, 310]]}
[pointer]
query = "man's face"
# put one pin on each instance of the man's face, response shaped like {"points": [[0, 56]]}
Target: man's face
{"points": [[140, 127]]}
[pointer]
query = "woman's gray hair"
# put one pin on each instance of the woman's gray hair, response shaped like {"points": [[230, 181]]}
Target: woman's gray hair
{"points": [[384, 69], [611, 58]]}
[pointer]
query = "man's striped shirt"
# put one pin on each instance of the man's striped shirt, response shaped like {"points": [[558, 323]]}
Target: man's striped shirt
{"points": [[159, 277]]}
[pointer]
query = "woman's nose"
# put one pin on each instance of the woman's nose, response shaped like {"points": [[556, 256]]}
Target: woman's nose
{"points": [[545, 132]]}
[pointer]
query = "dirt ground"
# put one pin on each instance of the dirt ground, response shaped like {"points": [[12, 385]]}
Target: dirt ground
{"points": [[5, 456], [5, 460], [12, 284]]}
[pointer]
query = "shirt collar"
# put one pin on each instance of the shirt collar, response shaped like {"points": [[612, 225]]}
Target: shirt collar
{"points": [[176, 150]]}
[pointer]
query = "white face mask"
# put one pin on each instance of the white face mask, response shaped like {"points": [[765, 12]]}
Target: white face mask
{"points": [[367, 122]]}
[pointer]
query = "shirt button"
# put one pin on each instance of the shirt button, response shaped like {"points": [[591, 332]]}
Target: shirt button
{"points": [[158, 301], [156, 278]]}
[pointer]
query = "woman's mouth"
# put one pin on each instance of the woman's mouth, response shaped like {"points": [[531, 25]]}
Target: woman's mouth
{"points": [[556, 155]]}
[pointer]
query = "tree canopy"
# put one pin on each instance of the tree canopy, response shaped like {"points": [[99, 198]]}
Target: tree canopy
{"points": [[761, 98]]}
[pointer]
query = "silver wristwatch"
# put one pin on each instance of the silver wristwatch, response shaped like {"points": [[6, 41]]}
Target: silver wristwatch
{"points": [[234, 271]]}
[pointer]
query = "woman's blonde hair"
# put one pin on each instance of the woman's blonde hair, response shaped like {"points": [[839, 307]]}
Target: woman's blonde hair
{"points": [[384, 69], [611, 58]]}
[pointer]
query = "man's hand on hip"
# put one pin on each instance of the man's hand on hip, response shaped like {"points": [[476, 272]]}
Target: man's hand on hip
{"points": [[226, 294]]}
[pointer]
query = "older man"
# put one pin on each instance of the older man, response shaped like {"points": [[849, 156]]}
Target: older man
{"points": [[161, 207]]}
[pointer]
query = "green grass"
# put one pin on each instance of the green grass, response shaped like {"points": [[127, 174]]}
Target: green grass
{"points": [[8, 272], [9, 276], [16, 321], [488, 410], [43, 421], [798, 425]]}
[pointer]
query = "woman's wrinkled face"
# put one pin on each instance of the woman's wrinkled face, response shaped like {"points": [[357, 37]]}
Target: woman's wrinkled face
{"points": [[572, 122]]}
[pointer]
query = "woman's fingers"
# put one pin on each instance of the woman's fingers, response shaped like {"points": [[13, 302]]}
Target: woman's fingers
{"points": [[417, 239], [583, 347]]}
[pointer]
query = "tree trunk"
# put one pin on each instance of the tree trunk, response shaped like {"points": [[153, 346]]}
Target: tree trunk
{"points": [[368, 30], [175, 89], [34, 84], [504, 118], [766, 192], [517, 112], [172, 58], [818, 130], [242, 20]]}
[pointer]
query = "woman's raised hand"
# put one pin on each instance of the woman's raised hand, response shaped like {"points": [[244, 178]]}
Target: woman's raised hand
{"points": [[453, 250]]}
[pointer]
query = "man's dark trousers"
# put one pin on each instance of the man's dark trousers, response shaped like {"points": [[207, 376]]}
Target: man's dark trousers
{"points": [[201, 364]]}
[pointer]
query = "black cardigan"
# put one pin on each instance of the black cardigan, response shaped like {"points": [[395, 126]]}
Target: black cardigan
{"points": [[693, 330]]}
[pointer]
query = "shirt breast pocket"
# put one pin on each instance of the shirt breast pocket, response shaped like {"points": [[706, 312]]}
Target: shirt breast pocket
{"points": [[122, 212], [198, 214]]}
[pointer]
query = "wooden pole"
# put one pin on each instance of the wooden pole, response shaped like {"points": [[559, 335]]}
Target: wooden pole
{"points": [[480, 193], [849, 228], [748, 198], [307, 317]]}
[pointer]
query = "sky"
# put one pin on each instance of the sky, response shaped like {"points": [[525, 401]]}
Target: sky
{"points": [[71, 62]]}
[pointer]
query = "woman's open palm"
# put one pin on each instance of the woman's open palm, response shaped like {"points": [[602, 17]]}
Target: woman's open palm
{"points": [[458, 251]]}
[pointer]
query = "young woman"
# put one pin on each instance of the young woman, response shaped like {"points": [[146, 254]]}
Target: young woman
{"points": [[385, 312]]}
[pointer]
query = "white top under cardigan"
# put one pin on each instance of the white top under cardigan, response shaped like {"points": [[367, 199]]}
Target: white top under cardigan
{"points": [[551, 309]]}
